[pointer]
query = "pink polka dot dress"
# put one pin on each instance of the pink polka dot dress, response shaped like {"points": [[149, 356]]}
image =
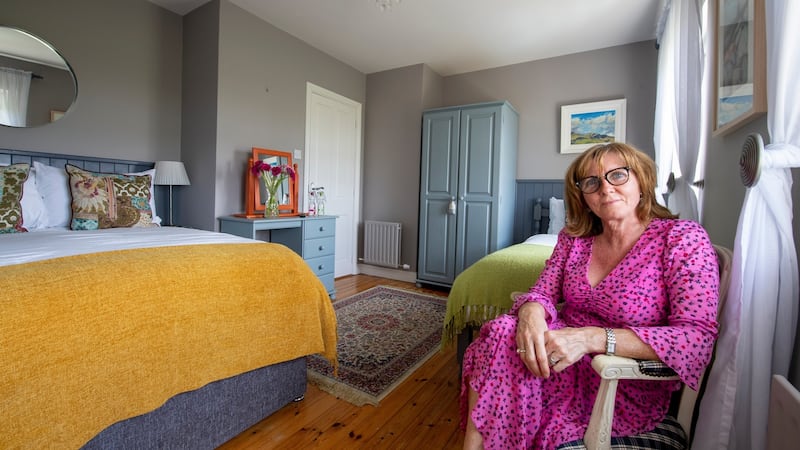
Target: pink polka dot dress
{"points": [[665, 290]]}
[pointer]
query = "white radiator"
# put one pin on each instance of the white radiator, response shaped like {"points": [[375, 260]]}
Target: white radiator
{"points": [[382, 243]]}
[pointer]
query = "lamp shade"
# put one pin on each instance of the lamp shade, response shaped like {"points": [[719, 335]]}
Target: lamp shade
{"points": [[171, 173]]}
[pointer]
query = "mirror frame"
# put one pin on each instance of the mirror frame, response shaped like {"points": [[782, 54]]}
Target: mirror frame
{"points": [[254, 206]]}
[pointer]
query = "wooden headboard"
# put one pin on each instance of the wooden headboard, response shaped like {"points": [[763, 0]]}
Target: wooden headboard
{"points": [[91, 164], [533, 205]]}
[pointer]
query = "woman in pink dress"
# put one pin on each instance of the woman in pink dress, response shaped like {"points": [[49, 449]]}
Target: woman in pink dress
{"points": [[627, 270]]}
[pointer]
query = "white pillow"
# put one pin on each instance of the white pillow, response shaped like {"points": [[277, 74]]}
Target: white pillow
{"points": [[558, 215], [34, 214], [543, 239], [152, 173], [53, 186]]}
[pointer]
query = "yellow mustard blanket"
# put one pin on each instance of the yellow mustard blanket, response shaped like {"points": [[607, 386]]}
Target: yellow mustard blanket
{"points": [[89, 340]]}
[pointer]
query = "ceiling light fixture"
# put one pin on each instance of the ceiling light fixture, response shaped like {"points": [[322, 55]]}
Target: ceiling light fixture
{"points": [[386, 4]]}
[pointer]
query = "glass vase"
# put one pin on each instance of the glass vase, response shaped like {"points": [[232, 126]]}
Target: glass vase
{"points": [[271, 206]]}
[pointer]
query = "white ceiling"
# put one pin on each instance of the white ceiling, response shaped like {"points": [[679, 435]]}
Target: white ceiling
{"points": [[452, 36]]}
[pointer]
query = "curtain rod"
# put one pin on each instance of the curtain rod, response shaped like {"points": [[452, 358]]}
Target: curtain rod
{"points": [[33, 75]]}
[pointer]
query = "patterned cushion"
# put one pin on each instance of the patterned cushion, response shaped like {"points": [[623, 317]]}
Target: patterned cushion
{"points": [[108, 200], [668, 435], [12, 178]]}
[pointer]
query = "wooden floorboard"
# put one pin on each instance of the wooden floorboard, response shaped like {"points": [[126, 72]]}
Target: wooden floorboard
{"points": [[422, 412]]}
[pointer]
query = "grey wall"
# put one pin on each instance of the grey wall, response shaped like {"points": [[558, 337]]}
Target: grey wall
{"points": [[199, 117], [127, 59], [262, 74], [393, 130], [537, 89]]}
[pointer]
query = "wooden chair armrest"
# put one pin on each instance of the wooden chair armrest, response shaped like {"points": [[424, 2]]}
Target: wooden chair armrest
{"points": [[612, 369]]}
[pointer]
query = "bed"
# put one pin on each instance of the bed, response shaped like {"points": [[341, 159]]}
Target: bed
{"points": [[483, 291], [144, 336]]}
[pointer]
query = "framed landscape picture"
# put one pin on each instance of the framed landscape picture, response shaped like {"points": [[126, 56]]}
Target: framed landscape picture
{"points": [[586, 124], [740, 69]]}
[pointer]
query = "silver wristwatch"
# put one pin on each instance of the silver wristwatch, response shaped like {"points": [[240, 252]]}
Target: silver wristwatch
{"points": [[611, 341]]}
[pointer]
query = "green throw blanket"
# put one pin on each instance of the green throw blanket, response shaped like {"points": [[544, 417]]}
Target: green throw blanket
{"points": [[483, 290]]}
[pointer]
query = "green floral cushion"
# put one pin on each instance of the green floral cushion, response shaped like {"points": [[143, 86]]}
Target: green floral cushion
{"points": [[11, 180], [108, 200]]}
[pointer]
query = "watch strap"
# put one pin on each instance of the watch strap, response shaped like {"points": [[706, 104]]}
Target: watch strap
{"points": [[611, 341]]}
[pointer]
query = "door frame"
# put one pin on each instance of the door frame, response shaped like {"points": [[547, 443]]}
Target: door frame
{"points": [[311, 90]]}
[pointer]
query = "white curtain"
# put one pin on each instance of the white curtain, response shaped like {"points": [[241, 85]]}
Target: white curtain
{"points": [[680, 119], [14, 88], [764, 283]]}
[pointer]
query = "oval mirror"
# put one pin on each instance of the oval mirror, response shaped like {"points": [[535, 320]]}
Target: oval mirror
{"points": [[38, 84]]}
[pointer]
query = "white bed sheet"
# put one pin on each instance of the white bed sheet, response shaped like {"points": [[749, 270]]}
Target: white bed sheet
{"points": [[18, 248]]}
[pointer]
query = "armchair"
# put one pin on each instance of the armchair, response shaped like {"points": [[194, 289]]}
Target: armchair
{"points": [[673, 432]]}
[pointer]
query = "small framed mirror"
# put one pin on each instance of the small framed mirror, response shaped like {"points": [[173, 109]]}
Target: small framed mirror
{"points": [[256, 192]]}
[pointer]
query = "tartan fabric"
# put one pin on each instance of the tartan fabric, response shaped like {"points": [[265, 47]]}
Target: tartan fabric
{"points": [[655, 368], [668, 435]]}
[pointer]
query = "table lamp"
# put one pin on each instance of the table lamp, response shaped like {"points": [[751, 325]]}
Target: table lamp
{"points": [[171, 173]]}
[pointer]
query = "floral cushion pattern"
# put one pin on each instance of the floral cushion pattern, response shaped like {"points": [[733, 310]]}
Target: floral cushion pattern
{"points": [[108, 200], [12, 179]]}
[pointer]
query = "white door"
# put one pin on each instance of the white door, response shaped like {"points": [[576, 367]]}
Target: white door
{"points": [[333, 161]]}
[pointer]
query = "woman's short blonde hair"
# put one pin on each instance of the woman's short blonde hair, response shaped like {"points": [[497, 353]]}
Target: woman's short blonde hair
{"points": [[581, 221]]}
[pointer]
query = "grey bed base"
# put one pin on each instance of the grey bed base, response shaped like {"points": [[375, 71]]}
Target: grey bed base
{"points": [[200, 419], [212, 415]]}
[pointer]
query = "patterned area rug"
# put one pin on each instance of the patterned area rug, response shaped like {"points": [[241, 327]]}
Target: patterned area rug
{"points": [[384, 335]]}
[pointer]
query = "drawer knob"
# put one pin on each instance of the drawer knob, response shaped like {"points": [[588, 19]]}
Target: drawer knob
{"points": [[321, 228], [320, 267], [321, 247]]}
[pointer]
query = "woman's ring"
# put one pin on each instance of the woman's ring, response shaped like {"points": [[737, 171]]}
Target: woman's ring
{"points": [[520, 350], [552, 360]]}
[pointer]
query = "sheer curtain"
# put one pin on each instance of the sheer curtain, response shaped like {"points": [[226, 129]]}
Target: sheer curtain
{"points": [[680, 119], [764, 282], [14, 87]]}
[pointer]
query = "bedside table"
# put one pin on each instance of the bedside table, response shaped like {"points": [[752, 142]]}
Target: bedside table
{"points": [[311, 237]]}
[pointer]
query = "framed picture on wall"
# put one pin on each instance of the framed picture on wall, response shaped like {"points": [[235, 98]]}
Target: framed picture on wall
{"points": [[740, 63], [586, 124]]}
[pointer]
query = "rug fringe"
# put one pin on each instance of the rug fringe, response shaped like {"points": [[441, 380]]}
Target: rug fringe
{"points": [[341, 390], [358, 397]]}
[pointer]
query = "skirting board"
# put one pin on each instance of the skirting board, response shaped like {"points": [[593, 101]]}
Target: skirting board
{"points": [[392, 274]]}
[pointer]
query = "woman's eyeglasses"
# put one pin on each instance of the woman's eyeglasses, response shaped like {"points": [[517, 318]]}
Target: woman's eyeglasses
{"points": [[615, 177]]}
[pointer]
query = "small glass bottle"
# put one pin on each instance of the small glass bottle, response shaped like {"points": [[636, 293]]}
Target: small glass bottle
{"points": [[312, 203], [320, 201]]}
